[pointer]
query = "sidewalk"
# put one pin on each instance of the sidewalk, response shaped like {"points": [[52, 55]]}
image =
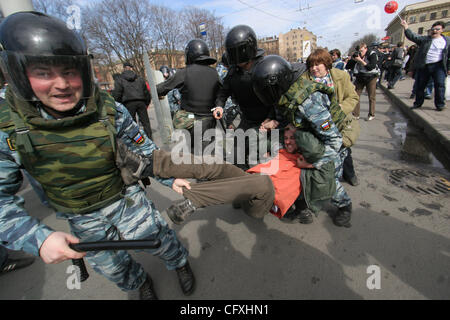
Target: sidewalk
{"points": [[435, 124]]}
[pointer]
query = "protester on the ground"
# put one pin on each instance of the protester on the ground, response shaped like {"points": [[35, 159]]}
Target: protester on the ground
{"points": [[366, 72], [309, 106], [432, 60], [67, 142], [279, 185], [131, 90]]}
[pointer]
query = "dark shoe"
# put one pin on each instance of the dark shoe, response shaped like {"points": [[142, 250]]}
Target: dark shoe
{"points": [[415, 107], [428, 97], [186, 279], [180, 210], [305, 216], [237, 205], [290, 216], [390, 87], [412, 96], [146, 291], [343, 216], [353, 181], [440, 109], [16, 264]]}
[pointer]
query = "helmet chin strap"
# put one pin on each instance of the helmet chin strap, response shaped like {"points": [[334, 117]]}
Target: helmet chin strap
{"points": [[63, 114]]}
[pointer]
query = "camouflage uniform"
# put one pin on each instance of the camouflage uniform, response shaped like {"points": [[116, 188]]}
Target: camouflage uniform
{"points": [[174, 97], [313, 115], [133, 216]]}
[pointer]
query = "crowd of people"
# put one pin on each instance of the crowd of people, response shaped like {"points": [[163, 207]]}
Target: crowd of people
{"points": [[87, 154]]}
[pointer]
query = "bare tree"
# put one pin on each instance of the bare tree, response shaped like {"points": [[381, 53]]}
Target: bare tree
{"points": [[167, 30], [215, 31], [53, 8], [119, 30]]}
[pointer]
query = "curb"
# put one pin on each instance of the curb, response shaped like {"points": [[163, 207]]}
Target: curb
{"points": [[433, 134]]}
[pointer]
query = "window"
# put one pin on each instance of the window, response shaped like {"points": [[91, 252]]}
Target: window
{"points": [[412, 19], [444, 13], [423, 18], [433, 16], [420, 31]]}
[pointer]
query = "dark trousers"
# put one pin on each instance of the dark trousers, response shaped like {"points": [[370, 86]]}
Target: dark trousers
{"points": [[349, 170], [229, 184], [394, 75], [428, 88], [437, 72], [140, 108], [206, 123]]}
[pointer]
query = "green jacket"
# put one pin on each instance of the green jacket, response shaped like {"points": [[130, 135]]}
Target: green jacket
{"points": [[318, 185], [72, 158]]}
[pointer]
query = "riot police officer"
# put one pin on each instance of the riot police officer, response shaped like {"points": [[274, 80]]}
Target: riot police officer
{"points": [[243, 55], [198, 84], [57, 125]]}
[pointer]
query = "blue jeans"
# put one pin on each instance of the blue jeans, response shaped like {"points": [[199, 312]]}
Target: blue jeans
{"points": [[3, 256], [436, 72]]}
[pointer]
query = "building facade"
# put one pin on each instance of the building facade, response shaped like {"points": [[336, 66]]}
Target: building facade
{"points": [[297, 44], [270, 45], [420, 17]]}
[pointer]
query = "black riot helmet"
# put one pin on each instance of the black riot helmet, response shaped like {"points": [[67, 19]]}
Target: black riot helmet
{"points": [[197, 51], [241, 44], [28, 38], [271, 78]]}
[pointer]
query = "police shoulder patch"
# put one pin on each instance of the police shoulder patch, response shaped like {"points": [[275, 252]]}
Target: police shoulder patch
{"points": [[11, 145], [139, 138], [325, 126]]}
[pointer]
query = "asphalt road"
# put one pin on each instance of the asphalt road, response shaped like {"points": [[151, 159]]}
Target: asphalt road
{"points": [[397, 248]]}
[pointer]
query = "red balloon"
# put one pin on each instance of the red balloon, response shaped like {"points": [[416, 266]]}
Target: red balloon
{"points": [[391, 7]]}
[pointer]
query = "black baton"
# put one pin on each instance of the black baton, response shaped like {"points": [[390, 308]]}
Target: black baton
{"points": [[108, 245]]}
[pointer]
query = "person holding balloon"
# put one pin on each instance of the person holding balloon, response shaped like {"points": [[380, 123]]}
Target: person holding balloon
{"points": [[431, 60]]}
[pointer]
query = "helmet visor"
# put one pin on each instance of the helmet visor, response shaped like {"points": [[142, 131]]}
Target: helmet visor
{"points": [[29, 75], [240, 54], [268, 94]]}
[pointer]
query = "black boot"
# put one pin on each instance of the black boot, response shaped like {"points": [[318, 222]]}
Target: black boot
{"points": [[180, 210], [16, 264], [133, 167], [343, 216], [146, 291], [186, 279], [305, 216]]}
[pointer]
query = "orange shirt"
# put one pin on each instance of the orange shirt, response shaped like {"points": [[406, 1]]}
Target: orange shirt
{"points": [[285, 176]]}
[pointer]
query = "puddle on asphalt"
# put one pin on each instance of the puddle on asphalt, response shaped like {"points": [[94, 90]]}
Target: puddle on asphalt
{"points": [[416, 147]]}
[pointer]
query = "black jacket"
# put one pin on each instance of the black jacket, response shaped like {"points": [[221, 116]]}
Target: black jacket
{"points": [[238, 85], [130, 87], [198, 85]]}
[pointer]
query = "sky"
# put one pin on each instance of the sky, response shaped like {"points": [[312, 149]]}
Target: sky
{"points": [[336, 23]]}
